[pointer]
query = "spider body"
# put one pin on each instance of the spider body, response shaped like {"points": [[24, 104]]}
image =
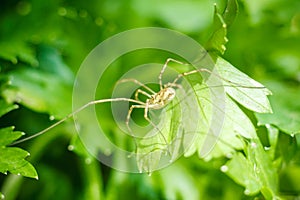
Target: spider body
{"points": [[161, 98]]}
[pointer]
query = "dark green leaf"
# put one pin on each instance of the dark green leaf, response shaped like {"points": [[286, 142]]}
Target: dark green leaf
{"points": [[217, 41], [16, 50], [222, 20], [181, 186], [6, 107], [230, 12]]}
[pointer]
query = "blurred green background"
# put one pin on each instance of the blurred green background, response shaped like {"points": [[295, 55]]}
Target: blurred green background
{"points": [[42, 44]]}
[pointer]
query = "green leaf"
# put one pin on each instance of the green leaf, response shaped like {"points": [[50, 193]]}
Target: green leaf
{"points": [[8, 135], [254, 171], [217, 41], [44, 89], [217, 107], [286, 116], [206, 118], [6, 107], [181, 186], [157, 144], [246, 91], [242, 172], [12, 159], [235, 124], [17, 50], [230, 12], [222, 21]]}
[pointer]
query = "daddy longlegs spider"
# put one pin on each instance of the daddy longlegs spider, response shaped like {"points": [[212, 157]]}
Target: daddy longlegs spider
{"points": [[154, 101]]}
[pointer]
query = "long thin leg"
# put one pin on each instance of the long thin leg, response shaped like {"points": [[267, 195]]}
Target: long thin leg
{"points": [[136, 82], [129, 115], [139, 91], [164, 68], [174, 84], [146, 107], [147, 118], [75, 112], [208, 71]]}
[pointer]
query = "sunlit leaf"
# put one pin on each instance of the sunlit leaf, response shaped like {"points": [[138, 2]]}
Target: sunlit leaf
{"points": [[222, 20], [12, 159], [243, 89], [235, 124], [286, 108], [254, 171], [219, 36], [158, 144], [242, 172], [212, 123]]}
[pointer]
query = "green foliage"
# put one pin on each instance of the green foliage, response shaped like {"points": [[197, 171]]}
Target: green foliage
{"points": [[222, 20], [32, 86], [255, 155], [12, 158]]}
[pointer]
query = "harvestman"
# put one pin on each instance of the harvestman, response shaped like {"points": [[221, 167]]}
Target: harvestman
{"points": [[155, 101]]}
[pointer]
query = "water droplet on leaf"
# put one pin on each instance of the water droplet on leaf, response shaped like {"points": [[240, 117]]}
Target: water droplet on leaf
{"points": [[224, 168], [71, 147], [247, 192], [88, 161], [51, 117], [229, 155], [253, 144], [267, 148], [62, 11]]}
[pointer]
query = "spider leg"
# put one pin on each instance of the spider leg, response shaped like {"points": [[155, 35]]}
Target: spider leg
{"points": [[139, 91], [147, 118], [164, 68], [100, 101], [208, 71], [128, 118], [136, 82]]}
